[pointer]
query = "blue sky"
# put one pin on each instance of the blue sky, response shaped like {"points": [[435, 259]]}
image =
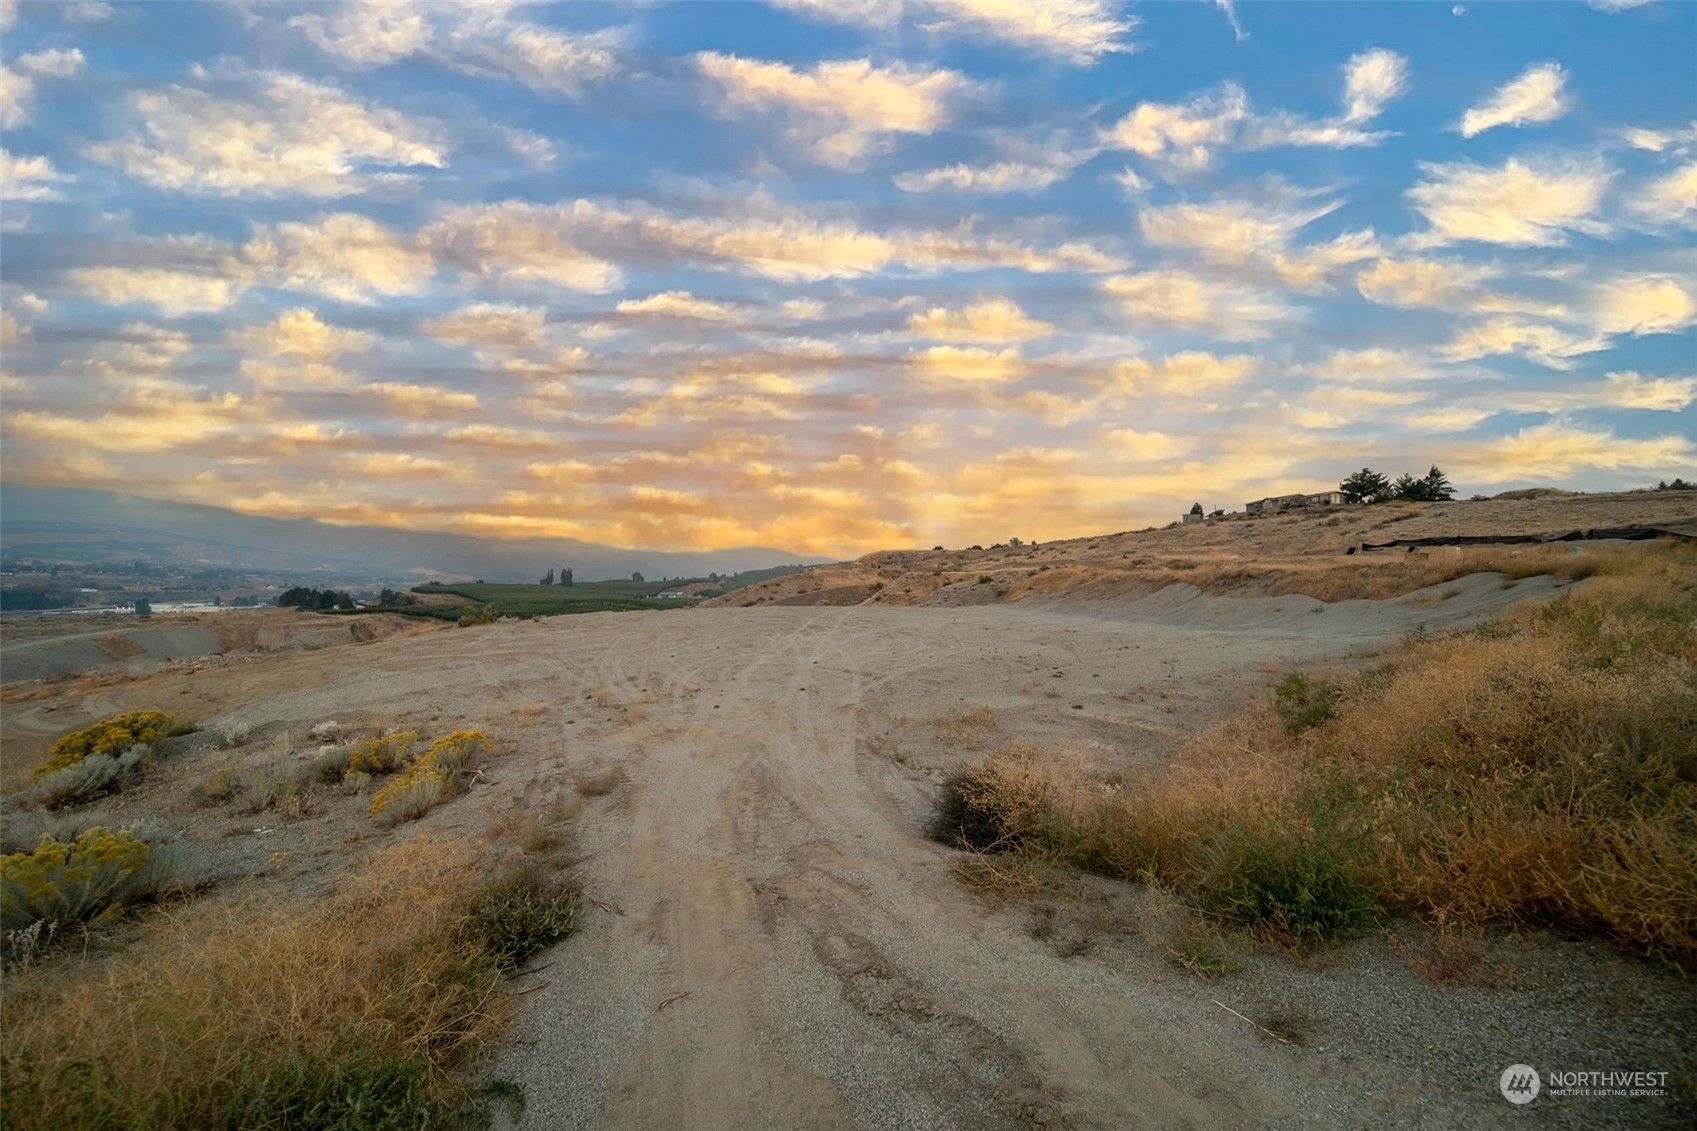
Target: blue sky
{"points": [[841, 276]]}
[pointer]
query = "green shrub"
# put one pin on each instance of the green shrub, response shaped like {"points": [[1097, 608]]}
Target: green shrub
{"points": [[1297, 885], [483, 614], [1304, 703], [518, 914]]}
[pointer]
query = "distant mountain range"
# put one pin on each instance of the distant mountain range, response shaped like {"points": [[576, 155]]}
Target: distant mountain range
{"points": [[85, 526]]}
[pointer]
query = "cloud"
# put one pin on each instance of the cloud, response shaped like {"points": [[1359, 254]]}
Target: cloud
{"points": [[298, 333], [1186, 136], [399, 467], [1372, 79], [1657, 141], [1229, 7], [1555, 451], [489, 326], [1183, 135], [1536, 95], [525, 242], [1644, 304], [993, 320], [86, 12], [678, 304], [29, 178], [1073, 31], [482, 40], [1191, 302], [1670, 199], [189, 275], [1629, 389], [485, 42], [422, 400], [1546, 345], [840, 113], [370, 34], [1239, 233], [58, 63], [1001, 176], [1410, 283], [1519, 205], [342, 255], [1189, 374], [1373, 364], [152, 419], [1147, 445], [268, 134], [573, 244], [968, 364], [16, 93]]}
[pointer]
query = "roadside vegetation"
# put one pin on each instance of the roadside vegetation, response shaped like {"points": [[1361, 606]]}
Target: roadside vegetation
{"points": [[1540, 770], [139, 993], [369, 1009]]}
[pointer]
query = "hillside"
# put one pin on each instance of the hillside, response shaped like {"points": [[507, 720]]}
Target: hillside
{"points": [[1242, 555]]}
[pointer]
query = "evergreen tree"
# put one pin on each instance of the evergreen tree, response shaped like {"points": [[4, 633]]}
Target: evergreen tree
{"points": [[1438, 489], [566, 576], [1365, 486]]}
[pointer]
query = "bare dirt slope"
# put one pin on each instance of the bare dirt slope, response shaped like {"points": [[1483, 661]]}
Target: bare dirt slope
{"points": [[775, 944], [1296, 552], [46, 646]]}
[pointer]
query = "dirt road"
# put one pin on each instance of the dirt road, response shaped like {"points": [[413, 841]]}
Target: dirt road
{"points": [[776, 945], [764, 859]]}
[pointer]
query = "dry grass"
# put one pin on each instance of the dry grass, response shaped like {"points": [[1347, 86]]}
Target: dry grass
{"points": [[362, 1011], [1539, 770], [599, 783], [970, 727]]}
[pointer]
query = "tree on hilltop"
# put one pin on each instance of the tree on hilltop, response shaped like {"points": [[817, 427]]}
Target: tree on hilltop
{"points": [[1433, 487], [1365, 486]]}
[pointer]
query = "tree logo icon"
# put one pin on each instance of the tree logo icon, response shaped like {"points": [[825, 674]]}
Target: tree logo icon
{"points": [[1519, 1084]]}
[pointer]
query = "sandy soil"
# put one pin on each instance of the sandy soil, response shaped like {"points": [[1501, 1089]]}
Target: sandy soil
{"points": [[775, 944]]}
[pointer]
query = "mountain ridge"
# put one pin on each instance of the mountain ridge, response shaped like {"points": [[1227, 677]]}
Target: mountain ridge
{"points": [[43, 521]]}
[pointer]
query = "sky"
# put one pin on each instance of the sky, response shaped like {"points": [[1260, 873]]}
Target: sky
{"points": [[841, 275]]}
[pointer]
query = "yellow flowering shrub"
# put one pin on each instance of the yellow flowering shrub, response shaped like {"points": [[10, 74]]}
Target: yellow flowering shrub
{"points": [[110, 736], [380, 755], [433, 777], [68, 882]]}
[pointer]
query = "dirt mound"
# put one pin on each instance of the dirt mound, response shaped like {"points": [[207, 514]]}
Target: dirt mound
{"points": [[1302, 551]]}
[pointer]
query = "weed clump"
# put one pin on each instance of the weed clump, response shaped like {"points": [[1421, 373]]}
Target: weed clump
{"points": [[111, 736], [522, 912], [1304, 703], [432, 778], [382, 755]]}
